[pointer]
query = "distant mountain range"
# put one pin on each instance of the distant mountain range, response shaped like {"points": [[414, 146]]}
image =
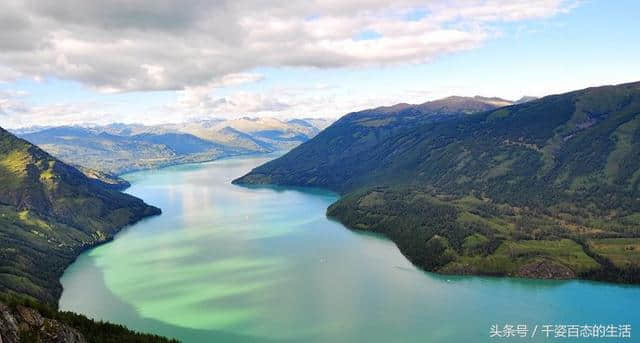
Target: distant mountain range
{"points": [[120, 148], [544, 187]]}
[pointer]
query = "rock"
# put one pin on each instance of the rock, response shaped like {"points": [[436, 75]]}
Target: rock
{"points": [[545, 269], [54, 332], [25, 320], [30, 316], [8, 325]]}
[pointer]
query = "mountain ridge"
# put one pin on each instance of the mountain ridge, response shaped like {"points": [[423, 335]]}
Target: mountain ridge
{"points": [[383, 122]]}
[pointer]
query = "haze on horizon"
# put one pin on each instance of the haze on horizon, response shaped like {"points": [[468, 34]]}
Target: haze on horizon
{"points": [[72, 61]]}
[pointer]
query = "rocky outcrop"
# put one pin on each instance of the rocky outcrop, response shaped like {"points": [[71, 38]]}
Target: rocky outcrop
{"points": [[545, 269], [23, 322], [9, 331]]}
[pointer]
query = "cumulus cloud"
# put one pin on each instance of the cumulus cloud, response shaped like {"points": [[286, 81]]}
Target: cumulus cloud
{"points": [[193, 104], [121, 45]]}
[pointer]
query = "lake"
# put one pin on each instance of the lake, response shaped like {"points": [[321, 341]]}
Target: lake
{"points": [[227, 263]]}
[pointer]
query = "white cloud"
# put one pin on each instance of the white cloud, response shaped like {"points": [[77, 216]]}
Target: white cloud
{"points": [[15, 112], [121, 45]]}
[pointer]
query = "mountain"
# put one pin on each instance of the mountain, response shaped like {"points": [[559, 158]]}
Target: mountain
{"points": [[50, 212], [178, 143], [342, 156], [234, 137], [120, 148], [460, 104], [525, 99], [547, 188], [318, 123], [225, 135], [258, 134], [105, 179]]}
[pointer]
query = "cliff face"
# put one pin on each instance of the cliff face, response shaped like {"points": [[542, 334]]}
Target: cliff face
{"points": [[22, 323]]}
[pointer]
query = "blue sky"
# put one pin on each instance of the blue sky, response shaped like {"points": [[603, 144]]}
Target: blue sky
{"points": [[568, 46]]}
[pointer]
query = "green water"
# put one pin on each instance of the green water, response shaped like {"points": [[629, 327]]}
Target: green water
{"points": [[225, 263]]}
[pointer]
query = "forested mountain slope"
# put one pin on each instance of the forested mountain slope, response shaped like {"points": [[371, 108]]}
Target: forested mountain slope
{"points": [[357, 146], [49, 213], [546, 188]]}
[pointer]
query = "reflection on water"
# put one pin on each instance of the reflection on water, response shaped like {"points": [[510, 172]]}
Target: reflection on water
{"points": [[230, 263]]}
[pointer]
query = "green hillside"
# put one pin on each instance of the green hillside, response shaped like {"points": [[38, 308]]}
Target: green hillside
{"points": [[49, 213], [356, 148], [546, 188]]}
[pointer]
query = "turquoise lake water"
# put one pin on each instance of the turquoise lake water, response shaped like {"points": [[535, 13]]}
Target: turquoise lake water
{"points": [[225, 263]]}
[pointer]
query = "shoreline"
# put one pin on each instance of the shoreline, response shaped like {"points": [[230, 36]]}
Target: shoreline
{"points": [[86, 247], [607, 268], [606, 274], [173, 164], [419, 272]]}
